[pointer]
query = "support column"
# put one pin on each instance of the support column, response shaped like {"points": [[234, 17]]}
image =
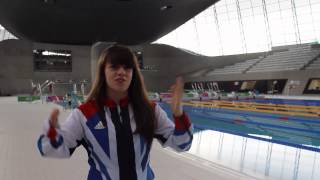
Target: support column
{"points": [[243, 37], [218, 28], [266, 22], [295, 20]]}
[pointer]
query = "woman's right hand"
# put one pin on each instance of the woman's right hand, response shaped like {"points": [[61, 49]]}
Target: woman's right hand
{"points": [[177, 94], [53, 119]]}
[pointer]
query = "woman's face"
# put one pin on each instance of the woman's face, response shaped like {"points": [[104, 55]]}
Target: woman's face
{"points": [[118, 77]]}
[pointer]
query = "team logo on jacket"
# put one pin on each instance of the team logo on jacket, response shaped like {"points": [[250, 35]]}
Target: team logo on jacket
{"points": [[99, 126]]}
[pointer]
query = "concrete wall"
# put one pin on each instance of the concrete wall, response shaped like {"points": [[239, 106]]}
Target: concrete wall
{"points": [[16, 66], [80, 67], [170, 62]]}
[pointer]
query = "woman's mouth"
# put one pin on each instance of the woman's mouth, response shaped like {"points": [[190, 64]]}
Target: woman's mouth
{"points": [[120, 80]]}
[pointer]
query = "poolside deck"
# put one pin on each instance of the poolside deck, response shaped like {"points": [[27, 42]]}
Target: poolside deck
{"points": [[21, 123]]}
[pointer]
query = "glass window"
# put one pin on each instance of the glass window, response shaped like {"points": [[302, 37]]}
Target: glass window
{"points": [[232, 7], [248, 85], [245, 5], [204, 35], [313, 86], [246, 13], [272, 7], [285, 4], [52, 60], [256, 3], [301, 2], [258, 10], [268, 2]]}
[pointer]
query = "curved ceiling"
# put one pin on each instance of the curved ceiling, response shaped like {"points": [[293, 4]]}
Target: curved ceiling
{"points": [[84, 22]]}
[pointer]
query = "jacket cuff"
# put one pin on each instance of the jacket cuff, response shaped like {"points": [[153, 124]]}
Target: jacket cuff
{"points": [[182, 122], [52, 133]]}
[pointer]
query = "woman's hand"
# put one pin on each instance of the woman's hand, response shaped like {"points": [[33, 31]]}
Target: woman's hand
{"points": [[53, 119], [177, 93]]}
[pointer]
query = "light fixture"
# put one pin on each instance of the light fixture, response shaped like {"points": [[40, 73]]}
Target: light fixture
{"points": [[166, 7], [49, 1]]}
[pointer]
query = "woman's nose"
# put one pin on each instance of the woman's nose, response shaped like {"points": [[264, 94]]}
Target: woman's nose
{"points": [[121, 70]]}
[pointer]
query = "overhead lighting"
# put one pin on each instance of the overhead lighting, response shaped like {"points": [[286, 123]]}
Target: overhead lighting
{"points": [[48, 53], [167, 7]]}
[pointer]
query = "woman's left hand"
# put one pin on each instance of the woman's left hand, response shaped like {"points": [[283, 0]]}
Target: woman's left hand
{"points": [[177, 94]]}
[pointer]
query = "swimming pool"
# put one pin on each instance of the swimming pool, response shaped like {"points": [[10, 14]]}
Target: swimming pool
{"points": [[295, 131], [268, 144]]}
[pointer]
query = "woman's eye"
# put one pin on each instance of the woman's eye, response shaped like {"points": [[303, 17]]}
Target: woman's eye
{"points": [[113, 67]]}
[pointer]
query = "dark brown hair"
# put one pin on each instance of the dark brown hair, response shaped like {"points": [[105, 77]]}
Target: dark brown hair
{"points": [[144, 113]]}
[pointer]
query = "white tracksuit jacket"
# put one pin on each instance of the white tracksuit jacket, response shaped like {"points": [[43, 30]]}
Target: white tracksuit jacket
{"points": [[83, 127]]}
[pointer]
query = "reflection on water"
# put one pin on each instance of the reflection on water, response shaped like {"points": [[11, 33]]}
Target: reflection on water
{"points": [[278, 146], [256, 157], [301, 132]]}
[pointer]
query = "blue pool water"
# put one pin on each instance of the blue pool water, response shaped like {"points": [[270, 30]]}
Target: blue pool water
{"points": [[296, 131], [263, 144]]}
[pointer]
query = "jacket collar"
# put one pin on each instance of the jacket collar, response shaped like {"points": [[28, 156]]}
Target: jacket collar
{"points": [[110, 103]]}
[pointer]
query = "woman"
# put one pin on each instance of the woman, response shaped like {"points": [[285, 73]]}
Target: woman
{"points": [[117, 123]]}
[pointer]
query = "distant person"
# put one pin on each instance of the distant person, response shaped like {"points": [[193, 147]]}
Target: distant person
{"points": [[117, 123], [68, 100]]}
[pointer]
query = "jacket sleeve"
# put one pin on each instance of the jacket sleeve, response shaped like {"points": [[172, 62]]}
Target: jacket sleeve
{"points": [[61, 142], [177, 135]]}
